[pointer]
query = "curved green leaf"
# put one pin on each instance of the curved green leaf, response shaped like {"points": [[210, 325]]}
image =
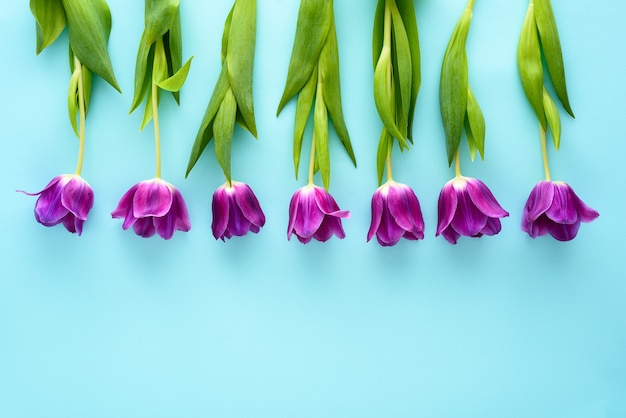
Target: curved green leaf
{"points": [[173, 40], [454, 84], [331, 89], [475, 127], [549, 35], [240, 58], [223, 128], [402, 59], [50, 21], [159, 18], [407, 11], [378, 35], [205, 133], [226, 34], [320, 136], [176, 81], [384, 97], [529, 65], [554, 120], [303, 110], [89, 26], [314, 21], [384, 144], [72, 100]]}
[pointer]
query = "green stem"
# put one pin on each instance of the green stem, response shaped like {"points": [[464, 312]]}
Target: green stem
{"points": [[312, 161], [544, 152], [470, 4], [81, 106], [387, 45], [157, 132], [457, 163]]}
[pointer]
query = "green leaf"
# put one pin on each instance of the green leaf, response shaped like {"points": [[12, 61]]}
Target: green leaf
{"points": [[50, 21], [226, 34], [403, 64], [223, 128], [476, 125], [143, 71], [176, 81], [314, 21], [549, 35], [320, 136], [87, 80], [173, 40], [384, 97], [303, 110], [205, 133], [529, 65], [72, 100], [89, 26], [331, 89], [379, 32], [454, 84], [240, 58], [407, 11], [384, 143], [554, 120], [159, 18], [159, 66], [148, 111]]}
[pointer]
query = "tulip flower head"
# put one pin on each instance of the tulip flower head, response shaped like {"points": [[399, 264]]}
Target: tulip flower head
{"points": [[396, 214], [153, 206], [67, 199], [314, 214], [554, 208], [236, 211], [467, 207]]}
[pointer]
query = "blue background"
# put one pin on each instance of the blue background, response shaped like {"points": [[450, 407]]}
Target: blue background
{"points": [[112, 325]]}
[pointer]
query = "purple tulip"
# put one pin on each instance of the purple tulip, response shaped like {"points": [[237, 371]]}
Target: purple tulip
{"points": [[313, 213], [467, 207], [236, 211], [153, 206], [396, 213], [67, 199], [554, 208]]}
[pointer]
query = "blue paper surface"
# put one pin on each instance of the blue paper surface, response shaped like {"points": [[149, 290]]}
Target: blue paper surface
{"points": [[112, 325]]}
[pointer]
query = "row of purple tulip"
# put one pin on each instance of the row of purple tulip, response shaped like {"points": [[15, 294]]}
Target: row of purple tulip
{"points": [[466, 207]]}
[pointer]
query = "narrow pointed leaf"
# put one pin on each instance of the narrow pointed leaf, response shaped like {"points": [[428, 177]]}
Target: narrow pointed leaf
{"points": [[148, 112], [159, 66], [471, 141], [50, 21], [143, 71], [529, 65], [554, 120], [176, 81], [89, 26], [223, 128], [551, 44], [381, 155], [331, 89], [173, 40], [205, 133], [378, 35], [453, 86], [226, 34], [159, 18], [384, 98], [87, 85], [72, 100], [407, 11], [402, 58], [320, 136], [240, 58], [476, 122], [314, 21], [303, 110]]}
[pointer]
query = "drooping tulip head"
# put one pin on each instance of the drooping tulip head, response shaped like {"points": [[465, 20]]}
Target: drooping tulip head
{"points": [[67, 199], [554, 208], [236, 211], [314, 214], [153, 206], [396, 214], [468, 208]]}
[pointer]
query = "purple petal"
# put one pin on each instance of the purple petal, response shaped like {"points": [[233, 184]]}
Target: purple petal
{"points": [[144, 227], [493, 227], [176, 219], [484, 200], [539, 201], [446, 207], [152, 198], [238, 224], [49, 209], [70, 223], [563, 209], [377, 210], [468, 219], [220, 212], [585, 213], [249, 204], [564, 232], [389, 232], [293, 213], [405, 208], [77, 197], [329, 227], [124, 208], [327, 204], [539, 227], [451, 235], [309, 216]]}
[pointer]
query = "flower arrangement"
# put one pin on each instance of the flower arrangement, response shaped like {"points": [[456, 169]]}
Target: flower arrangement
{"points": [[156, 206], [552, 206], [466, 205], [68, 198], [236, 210], [313, 76]]}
